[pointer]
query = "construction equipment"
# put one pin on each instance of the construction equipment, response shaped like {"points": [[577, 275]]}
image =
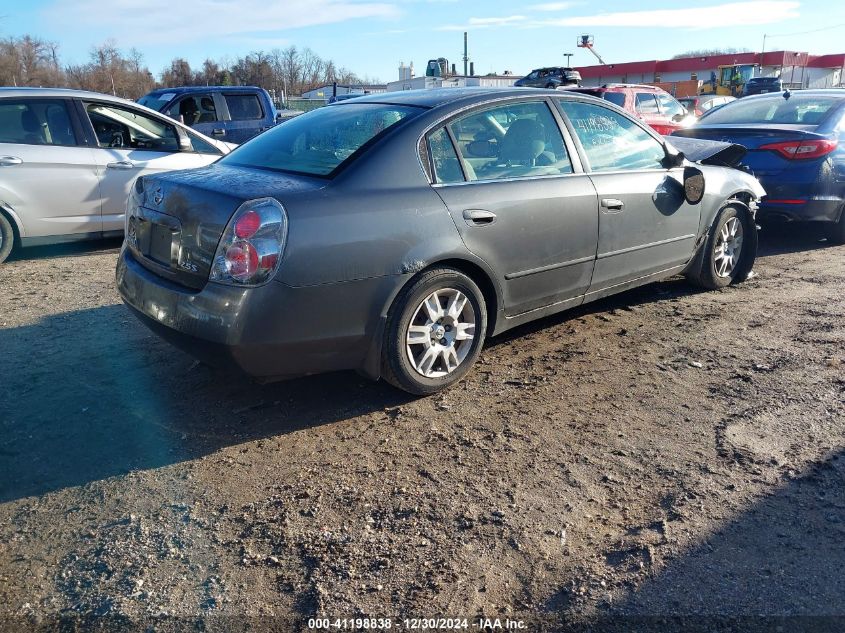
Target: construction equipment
{"points": [[586, 41], [729, 79]]}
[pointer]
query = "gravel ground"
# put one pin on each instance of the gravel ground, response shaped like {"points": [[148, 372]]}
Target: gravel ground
{"points": [[665, 453]]}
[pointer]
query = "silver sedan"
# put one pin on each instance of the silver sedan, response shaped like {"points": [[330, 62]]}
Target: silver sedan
{"points": [[68, 158]]}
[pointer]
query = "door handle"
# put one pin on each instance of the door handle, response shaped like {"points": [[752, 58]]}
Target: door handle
{"points": [[479, 217], [219, 132], [121, 164], [612, 204], [8, 161]]}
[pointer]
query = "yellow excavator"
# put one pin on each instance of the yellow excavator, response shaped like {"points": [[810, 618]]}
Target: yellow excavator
{"points": [[729, 79]]}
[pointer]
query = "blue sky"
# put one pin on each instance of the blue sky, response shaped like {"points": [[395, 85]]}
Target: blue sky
{"points": [[371, 37]]}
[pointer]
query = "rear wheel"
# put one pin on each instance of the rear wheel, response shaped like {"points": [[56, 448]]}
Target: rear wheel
{"points": [[7, 238], [725, 254], [835, 231], [434, 332]]}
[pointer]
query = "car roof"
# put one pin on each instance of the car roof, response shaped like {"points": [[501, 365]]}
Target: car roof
{"points": [[435, 97], [838, 93], [66, 93], [184, 89]]}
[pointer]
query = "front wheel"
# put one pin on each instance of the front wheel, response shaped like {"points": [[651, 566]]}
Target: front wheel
{"points": [[7, 238], [435, 331], [727, 256]]}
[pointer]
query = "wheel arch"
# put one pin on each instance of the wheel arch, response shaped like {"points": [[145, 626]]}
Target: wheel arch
{"points": [[14, 220], [474, 270], [742, 200]]}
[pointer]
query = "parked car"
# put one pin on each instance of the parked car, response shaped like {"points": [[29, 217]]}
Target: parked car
{"points": [[554, 77], [68, 158], [229, 113], [698, 105], [762, 85], [795, 147], [653, 105], [393, 233]]}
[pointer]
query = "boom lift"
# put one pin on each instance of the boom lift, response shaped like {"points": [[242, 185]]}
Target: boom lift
{"points": [[586, 41]]}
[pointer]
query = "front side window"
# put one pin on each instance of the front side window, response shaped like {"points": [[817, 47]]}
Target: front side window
{"points": [[201, 146], [670, 107], [244, 107], [511, 141], [647, 103], [612, 141], [194, 109], [318, 142], [41, 122], [117, 126]]}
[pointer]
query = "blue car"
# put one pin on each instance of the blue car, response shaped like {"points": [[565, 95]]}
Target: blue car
{"points": [[796, 148]]}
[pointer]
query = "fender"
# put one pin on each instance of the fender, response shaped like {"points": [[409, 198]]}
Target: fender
{"points": [[6, 207]]}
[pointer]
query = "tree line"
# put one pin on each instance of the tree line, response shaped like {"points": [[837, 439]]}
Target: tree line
{"points": [[31, 61]]}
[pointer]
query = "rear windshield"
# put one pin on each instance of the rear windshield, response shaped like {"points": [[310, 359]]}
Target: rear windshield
{"points": [[797, 110], [316, 143]]}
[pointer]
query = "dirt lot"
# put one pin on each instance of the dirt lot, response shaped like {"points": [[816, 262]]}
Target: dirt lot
{"points": [[667, 452]]}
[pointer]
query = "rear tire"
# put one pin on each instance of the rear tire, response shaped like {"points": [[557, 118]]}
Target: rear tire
{"points": [[435, 331], [724, 259], [7, 238], [835, 231]]}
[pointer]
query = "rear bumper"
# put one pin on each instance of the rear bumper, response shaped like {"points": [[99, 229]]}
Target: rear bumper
{"points": [[271, 332], [800, 209]]}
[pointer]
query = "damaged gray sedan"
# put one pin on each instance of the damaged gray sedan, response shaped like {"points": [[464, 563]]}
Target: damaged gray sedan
{"points": [[392, 234]]}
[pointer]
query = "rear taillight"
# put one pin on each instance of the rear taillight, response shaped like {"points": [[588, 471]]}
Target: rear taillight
{"points": [[252, 244], [801, 150]]}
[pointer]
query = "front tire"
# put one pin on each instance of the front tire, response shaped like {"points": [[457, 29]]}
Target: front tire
{"points": [[7, 238], [435, 331], [726, 251]]}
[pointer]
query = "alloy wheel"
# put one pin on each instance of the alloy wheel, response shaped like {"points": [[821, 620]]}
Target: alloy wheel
{"points": [[440, 333], [728, 247]]}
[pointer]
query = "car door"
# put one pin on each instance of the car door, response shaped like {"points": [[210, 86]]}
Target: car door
{"points": [[48, 177], [649, 111], [520, 201], [671, 111], [131, 143], [645, 224], [246, 116]]}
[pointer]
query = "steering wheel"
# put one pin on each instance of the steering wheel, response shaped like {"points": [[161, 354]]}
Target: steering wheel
{"points": [[116, 140]]}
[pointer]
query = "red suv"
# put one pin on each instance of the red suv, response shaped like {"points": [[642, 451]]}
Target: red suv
{"points": [[653, 105]]}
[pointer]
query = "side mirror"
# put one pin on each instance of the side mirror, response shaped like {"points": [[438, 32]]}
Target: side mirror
{"points": [[185, 144], [693, 185]]}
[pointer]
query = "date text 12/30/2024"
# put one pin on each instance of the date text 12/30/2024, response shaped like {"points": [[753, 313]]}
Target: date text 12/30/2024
{"points": [[417, 624]]}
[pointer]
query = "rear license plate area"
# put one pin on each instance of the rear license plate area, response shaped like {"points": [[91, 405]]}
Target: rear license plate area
{"points": [[161, 244]]}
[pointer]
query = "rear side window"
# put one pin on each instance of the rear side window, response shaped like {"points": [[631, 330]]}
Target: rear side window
{"points": [[612, 141], [615, 97], [511, 141], [647, 103], [447, 168], [244, 107], [42, 122]]}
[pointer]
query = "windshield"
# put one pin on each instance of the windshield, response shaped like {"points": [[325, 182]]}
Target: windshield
{"points": [[316, 143], [156, 101], [797, 110]]}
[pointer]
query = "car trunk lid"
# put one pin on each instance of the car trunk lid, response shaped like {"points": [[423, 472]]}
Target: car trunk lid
{"points": [[176, 219], [762, 162]]}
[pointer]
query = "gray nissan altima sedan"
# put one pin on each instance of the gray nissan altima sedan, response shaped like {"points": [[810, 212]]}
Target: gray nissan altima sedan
{"points": [[393, 233]]}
